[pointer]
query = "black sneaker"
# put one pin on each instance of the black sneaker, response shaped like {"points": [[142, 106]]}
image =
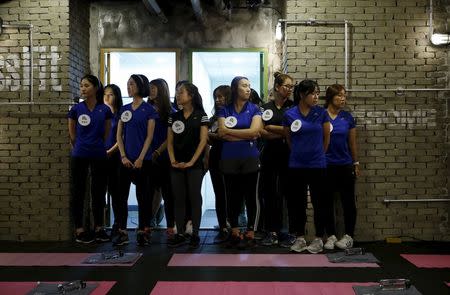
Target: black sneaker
{"points": [[288, 241], [177, 241], [194, 243], [143, 237], [101, 236], [120, 239], [233, 241], [270, 240], [222, 236], [246, 243], [85, 237]]}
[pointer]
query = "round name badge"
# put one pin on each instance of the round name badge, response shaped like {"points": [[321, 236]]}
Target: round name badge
{"points": [[214, 127], [84, 120], [331, 127], [178, 127], [267, 115], [126, 116], [230, 121], [296, 125]]}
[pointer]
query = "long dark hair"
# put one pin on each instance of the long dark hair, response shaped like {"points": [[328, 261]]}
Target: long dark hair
{"points": [[331, 92], [118, 102], [225, 90], [178, 85], [234, 87], [162, 100], [97, 84], [304, 88], [192, 90]]}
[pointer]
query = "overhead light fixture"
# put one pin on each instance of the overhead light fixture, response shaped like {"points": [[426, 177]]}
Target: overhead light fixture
{"points": [[440, 39]]}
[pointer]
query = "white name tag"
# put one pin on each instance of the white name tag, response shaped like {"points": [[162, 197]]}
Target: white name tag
{"points": [[296, 125], [230, 121], [178, 127], [126, 116], [84, 120], [267, 115]]}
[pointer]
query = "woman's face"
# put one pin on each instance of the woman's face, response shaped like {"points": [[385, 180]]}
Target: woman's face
{"points": [[87, 89], [132, 88], [285, 89], [339, 99], [108, 97], [220, 99], [312, 98], [153, 92], [243, 89], [183, 97]]}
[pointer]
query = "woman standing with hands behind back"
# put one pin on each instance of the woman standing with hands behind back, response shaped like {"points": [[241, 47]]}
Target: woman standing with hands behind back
{"points": [[89, 125], [307, 130]]}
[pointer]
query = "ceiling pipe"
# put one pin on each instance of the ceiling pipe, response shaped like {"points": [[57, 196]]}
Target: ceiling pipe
{"points": [[198, 11], [152, 6]]}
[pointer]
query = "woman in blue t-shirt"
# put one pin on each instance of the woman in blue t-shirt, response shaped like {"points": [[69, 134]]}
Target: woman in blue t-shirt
{"points": [[89, 125], [160, 173], [342, 166], [187, 136], [240, 125], [307, 130], [113, 98], [134, 137]]}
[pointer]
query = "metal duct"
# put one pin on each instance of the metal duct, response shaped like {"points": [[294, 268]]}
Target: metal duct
{"points": [[152, 6]]}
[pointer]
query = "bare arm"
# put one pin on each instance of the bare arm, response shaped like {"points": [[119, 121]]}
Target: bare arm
{"points": [[200, 147], [147, 142], [107, 129], [121, 146], [244, 134], [72, 131], [353, 149], [275, 129], [326, 135], [173, 161], [287, 134]]}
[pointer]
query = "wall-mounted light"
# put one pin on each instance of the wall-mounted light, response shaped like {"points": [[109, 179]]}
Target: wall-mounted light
{"points": [[436, 38], [440, 39], [279, 31]]}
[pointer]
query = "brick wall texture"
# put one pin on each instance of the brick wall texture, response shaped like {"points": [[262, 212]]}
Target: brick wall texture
{"points": [[403, 143], [403, 139], [34, 150]]}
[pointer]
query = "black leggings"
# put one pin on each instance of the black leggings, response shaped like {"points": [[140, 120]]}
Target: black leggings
{"points": [[299, 181], [186, 187], [140, 177], [160, 178], [79, 171], [341, 179], [218, 184], [240, 187], [112, 175]]}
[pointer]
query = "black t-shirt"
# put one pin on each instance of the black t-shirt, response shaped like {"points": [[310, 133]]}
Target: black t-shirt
{"points": [[186, 134], [274, 116]]}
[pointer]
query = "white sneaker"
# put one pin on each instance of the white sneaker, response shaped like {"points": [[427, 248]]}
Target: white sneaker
{"points": [[188, 230], [329, 245], [345, 243], [316, 246], [299, 245]]}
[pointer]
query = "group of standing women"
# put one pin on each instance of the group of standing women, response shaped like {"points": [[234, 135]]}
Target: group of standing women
{"points": [[159, 148]]}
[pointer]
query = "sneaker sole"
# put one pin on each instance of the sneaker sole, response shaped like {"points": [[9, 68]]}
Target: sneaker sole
{"points": [[314, 252], [84, 242], [298, 250], [121, 243]]}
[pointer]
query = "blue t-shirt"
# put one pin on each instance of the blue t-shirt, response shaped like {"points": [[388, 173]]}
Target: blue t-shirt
{"points": [[160, 133], [111, 140], [306, 137], [338, 152], [135, 123], [244, 148], [90, 129]]}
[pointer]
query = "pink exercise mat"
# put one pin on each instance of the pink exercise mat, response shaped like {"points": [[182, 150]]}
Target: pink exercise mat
{"points": [[21, 288], [252, 288], [49, 259], [428, 261], [259, 260]]}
